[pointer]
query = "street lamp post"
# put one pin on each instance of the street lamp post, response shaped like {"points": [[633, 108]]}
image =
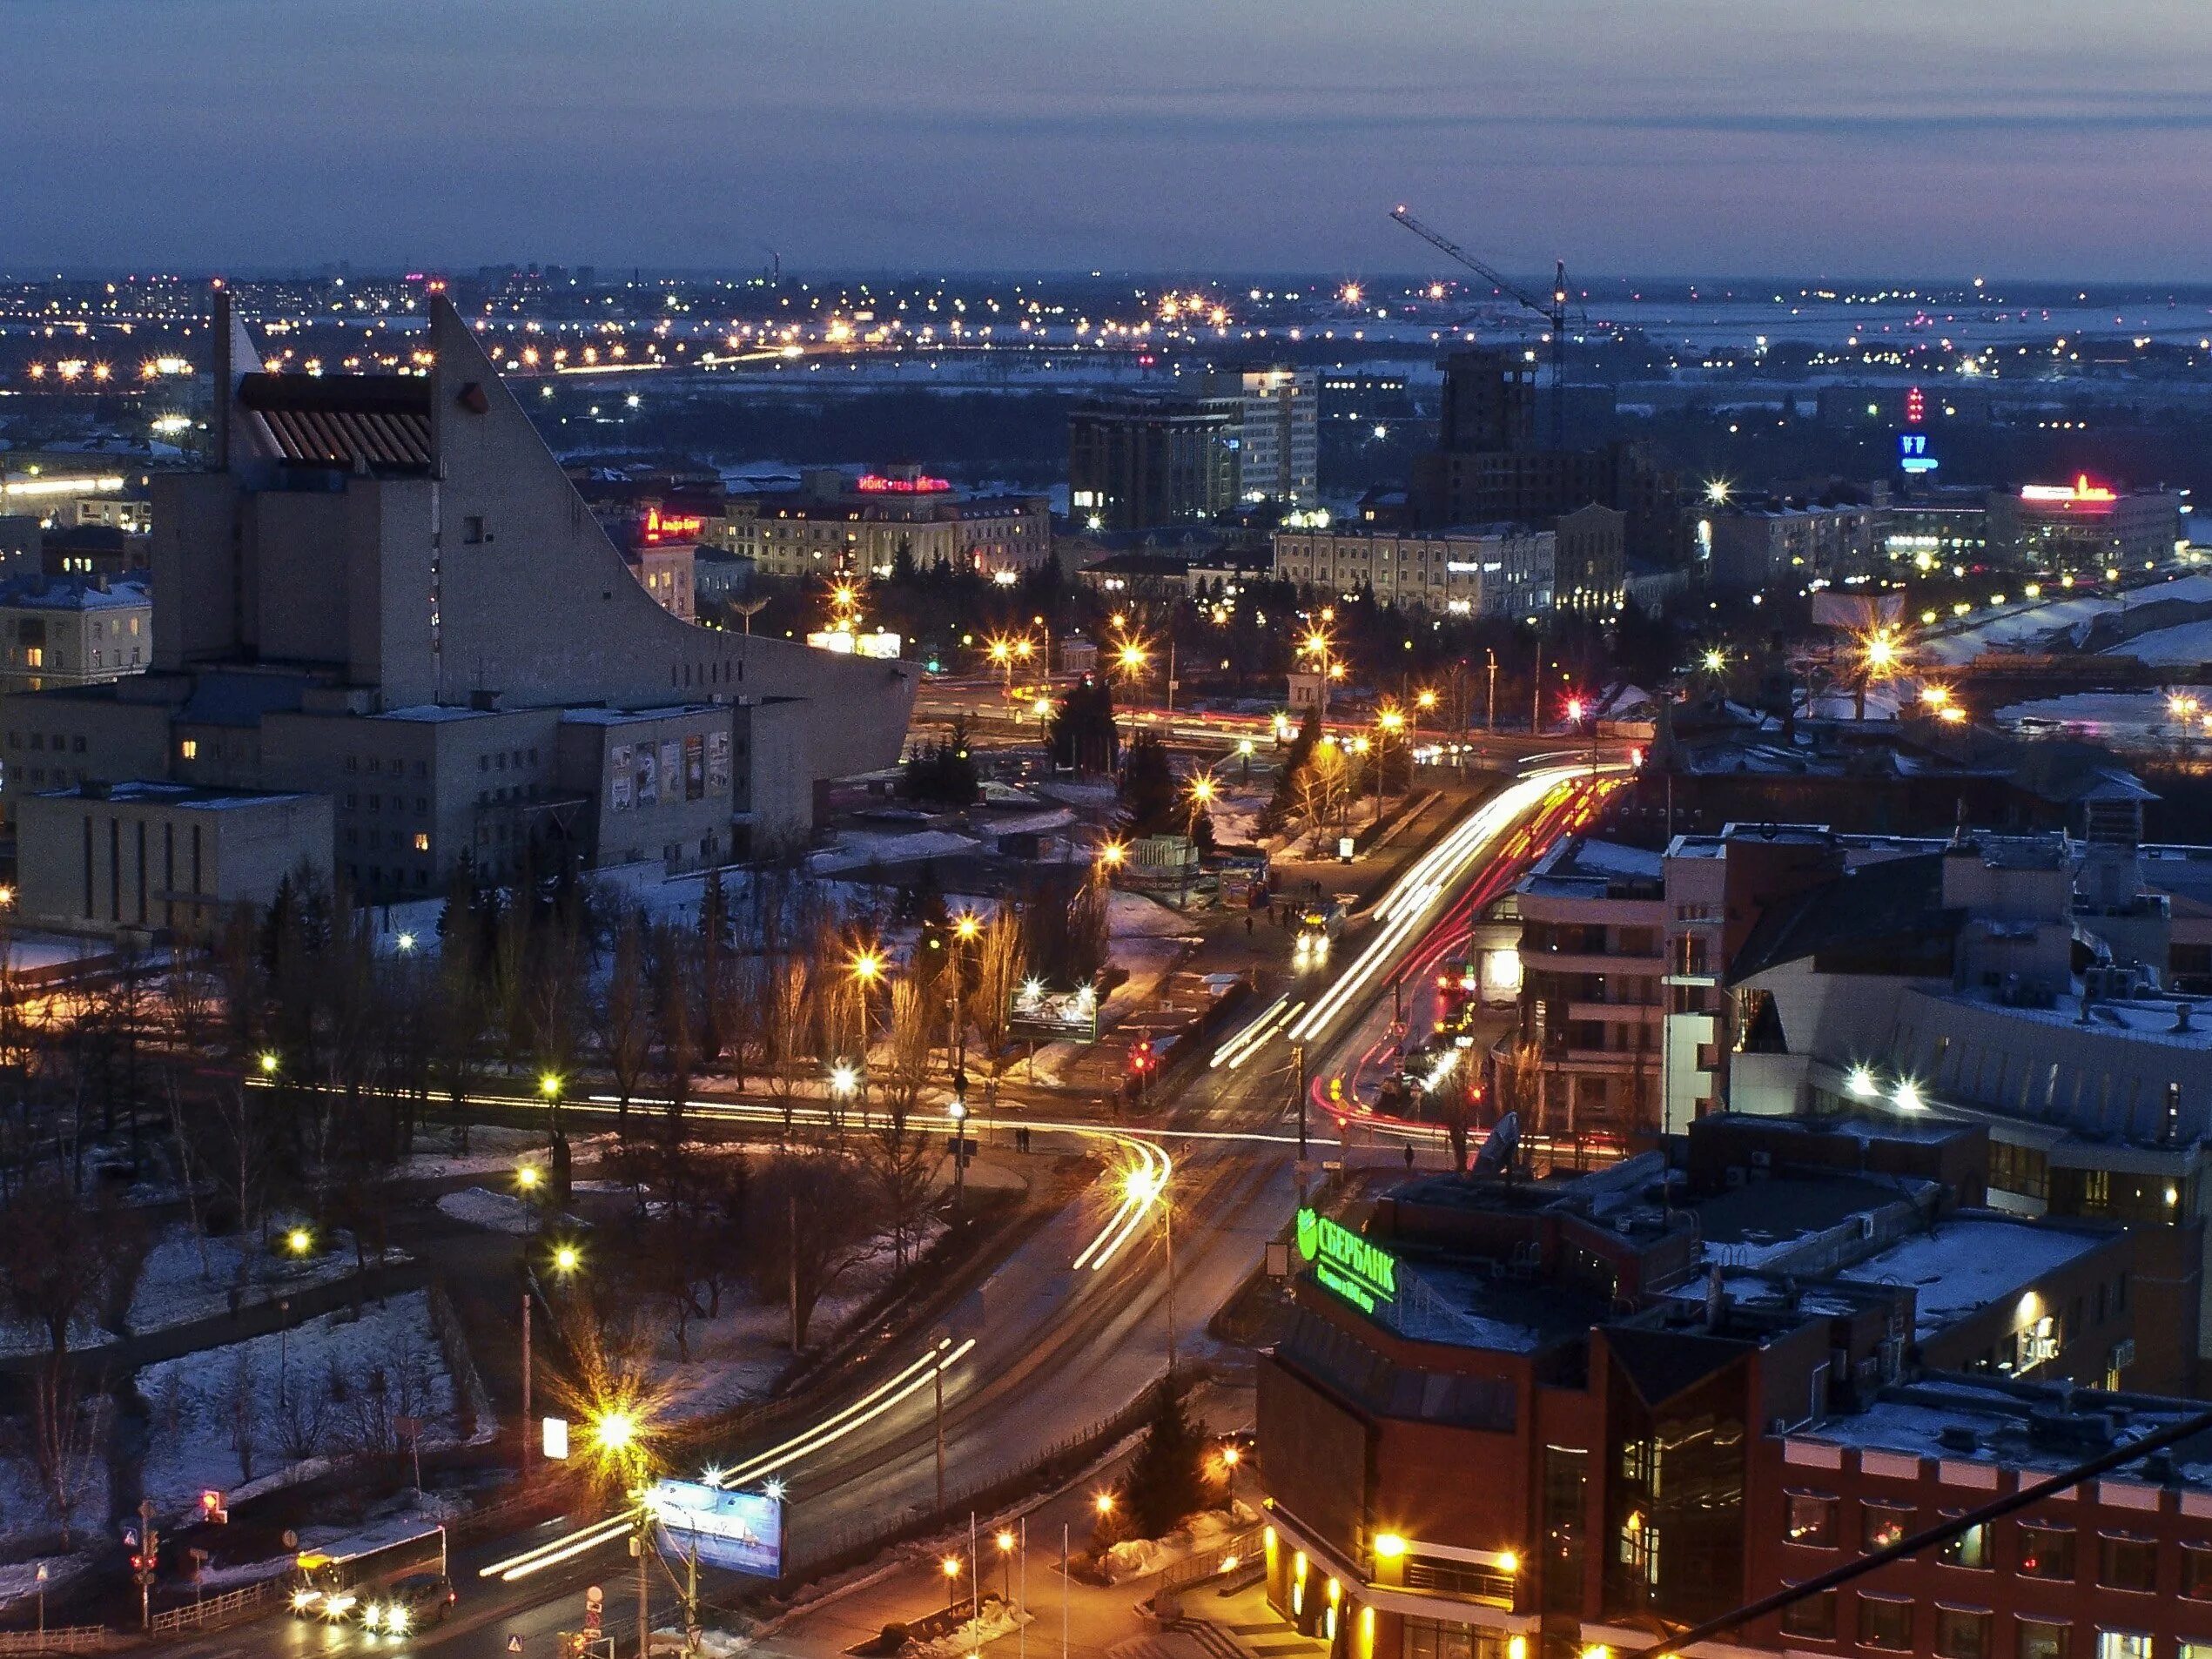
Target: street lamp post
{"points": [[1490, 717]]}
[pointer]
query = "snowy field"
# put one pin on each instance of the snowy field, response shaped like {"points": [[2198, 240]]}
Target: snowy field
{"points": [[253, 1415], [2023, 628], [186, 1278]]}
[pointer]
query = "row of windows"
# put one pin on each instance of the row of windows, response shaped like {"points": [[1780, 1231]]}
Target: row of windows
{"points": [[421, 878], [38, 742], [1885, 1624], [398, 803], [2044, 1549], [420, 841], [374, 764]]}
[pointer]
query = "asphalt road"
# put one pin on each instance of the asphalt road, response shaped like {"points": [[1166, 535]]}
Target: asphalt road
{"points": [[1056, 1347]]}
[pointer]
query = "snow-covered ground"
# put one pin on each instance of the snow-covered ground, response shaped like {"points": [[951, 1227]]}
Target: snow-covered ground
{"points": [[294, 1400], [738, 1356], [2185, 645], [186, 1278], [2023, 626], [478, 1207], [2125, 717], [858, 849]]}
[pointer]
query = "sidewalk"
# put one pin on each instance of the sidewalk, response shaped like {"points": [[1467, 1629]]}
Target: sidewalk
{"points": [[1100, 1622]]}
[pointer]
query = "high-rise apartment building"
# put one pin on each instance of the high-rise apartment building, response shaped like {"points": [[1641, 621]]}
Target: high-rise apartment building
{"points": [[1278, 435]]}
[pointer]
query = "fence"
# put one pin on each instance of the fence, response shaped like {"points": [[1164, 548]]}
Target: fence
{"points": [[77, 1638], [469, 1394], [1224, 1557], [216, 1611]]}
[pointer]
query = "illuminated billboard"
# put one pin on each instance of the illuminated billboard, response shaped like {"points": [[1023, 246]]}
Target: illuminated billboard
{"points": [[740, 1532]]}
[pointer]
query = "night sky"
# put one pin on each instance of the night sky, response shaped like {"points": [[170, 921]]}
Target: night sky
{"points": [[1844, 137]]}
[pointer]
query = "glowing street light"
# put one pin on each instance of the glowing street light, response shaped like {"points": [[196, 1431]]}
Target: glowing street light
{"points": [[527, 1177], [1103, 1503], [844, 1079], [549, 1085], [966, 926], [405, 942], [1715, 660], [868, 965], [299, 1241], [269, 1063], [567, 1258]]}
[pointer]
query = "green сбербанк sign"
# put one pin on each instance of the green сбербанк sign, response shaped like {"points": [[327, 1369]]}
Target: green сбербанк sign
{"points": [[1362, 1274]]}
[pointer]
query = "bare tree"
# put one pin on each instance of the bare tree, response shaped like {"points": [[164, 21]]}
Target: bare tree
{"points": [[784, 1028], [1001, 964], [625, 1031], [811, 1221]]}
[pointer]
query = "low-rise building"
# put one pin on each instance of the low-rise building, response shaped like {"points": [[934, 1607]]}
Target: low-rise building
{"points": [[160, 856], [1786, 544], [1499, 570], [72, 631], [835, 525]]}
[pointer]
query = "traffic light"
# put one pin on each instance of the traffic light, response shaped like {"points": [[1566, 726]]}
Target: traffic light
{"points": [[212, 1509], [1140, 1057]]}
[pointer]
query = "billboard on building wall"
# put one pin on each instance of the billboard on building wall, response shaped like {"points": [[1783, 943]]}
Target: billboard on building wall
{"points": [[647, 770], [694, 767], [671, 769], [718, 763], [620, 783]]}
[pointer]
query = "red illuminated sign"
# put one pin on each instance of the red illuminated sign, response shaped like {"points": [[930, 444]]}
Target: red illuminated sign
{"points": [[1916, 407], [875, 484], [672, 527]]}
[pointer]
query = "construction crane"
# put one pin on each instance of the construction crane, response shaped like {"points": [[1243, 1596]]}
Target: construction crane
{"points": [[1553, 311]]}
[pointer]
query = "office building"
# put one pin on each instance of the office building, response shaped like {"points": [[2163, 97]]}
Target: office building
{"points": [[72, 631], [1937, 528], [1691, 1378], [2085, 529], [383, 591], [1141, 461], [837, 524], [1478, 570]]}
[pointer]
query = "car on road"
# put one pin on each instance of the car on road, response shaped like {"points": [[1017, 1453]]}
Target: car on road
{"points": [[418, 1600]]}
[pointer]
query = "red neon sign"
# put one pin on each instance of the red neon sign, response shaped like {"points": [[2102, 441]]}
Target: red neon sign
{"points": [[876, 483], [658, 529], [1916, 407]]}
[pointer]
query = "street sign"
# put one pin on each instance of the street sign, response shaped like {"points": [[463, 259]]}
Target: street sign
{"points": [[514, 1641], [555, 1439]]}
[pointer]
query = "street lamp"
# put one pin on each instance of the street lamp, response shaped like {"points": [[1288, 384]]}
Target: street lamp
{"points": [[299, 1241], [269, 1064], [1244, 748], [1715, 660], [567, 1258], [526, 1176], [868, 965], [405, 942], [1006, 1542], [950, 1567]]}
